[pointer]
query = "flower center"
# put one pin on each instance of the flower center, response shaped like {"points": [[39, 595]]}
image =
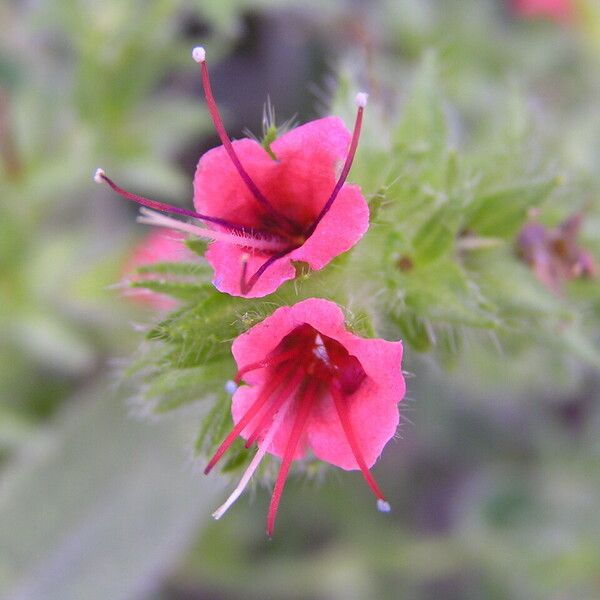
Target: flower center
{"points": [[278, 235], [305, 369]]}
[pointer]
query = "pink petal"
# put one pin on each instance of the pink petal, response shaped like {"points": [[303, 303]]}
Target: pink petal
{"points": [[226, 260], [373, 407], [263, 338], [339, 230], [220, 192]]}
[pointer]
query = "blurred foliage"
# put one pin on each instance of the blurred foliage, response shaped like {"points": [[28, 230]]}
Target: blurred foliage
{"points": [[477, 120]]}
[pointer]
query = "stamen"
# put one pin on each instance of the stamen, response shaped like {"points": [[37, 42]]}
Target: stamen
{"points": [[150, 217], [267, 362], [306, 404], [263, 397], [199, 55], [101, 177], [262, 450], [288, 391], [342, 411], [247, 285], [361, 102]]}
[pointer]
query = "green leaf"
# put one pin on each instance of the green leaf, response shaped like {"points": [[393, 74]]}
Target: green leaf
{"points": [[173, 388], [414, 330], [422, 128], [176, 289], [502, 212], [436, 237]]}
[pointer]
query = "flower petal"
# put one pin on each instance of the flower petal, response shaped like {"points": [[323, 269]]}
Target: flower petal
{"points": [[373, 407], [339, 230], [226, 260]]}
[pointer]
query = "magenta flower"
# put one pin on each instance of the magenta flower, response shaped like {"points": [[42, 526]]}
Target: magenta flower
{"points": [[557, 10], [161, 245], [264, 213], [312, 384]]}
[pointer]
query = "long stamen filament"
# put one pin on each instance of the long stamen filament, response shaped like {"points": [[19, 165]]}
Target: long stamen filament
{"points": [[275, 406], [247, 418], [247, 284], [101, 177], [249, 472], [267, 362], [344, 415], [306, 404], [361, 102], [200, 56], [150, 217]]}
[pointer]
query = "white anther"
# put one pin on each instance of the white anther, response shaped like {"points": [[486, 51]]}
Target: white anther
{"points": [[383, 506], [244, 258], [199, 54], [98, 176], [361, 99], [231, 386]]}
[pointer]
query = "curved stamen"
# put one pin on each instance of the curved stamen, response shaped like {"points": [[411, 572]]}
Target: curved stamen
{"points": [[344, 415], [267, 362], [289, 390], [263, 397], [100, 177], [306, 404], [262, 450], [361, 102], [199, 55], [150, 217], [247, 285]]}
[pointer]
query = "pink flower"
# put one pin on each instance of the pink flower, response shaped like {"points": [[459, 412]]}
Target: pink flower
{"points": [[312, 384], [264, 213], [554, 255], [557, 10], [161, 245]]}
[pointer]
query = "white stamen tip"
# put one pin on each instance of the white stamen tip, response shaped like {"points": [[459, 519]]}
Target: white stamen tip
{"points": [[231, 387], [361, 99], [98, 175], [199, 54], [383, 506], [244, 258]]}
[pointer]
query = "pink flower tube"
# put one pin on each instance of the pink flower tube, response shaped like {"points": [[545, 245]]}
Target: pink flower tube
{"points": [[310, 384]]}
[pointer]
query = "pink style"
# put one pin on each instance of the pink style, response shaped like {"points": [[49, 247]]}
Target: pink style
{"points": [[312, 384], [263, 213]]}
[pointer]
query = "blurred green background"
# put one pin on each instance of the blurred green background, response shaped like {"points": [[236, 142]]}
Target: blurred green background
{"points": [[495, 474]]}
